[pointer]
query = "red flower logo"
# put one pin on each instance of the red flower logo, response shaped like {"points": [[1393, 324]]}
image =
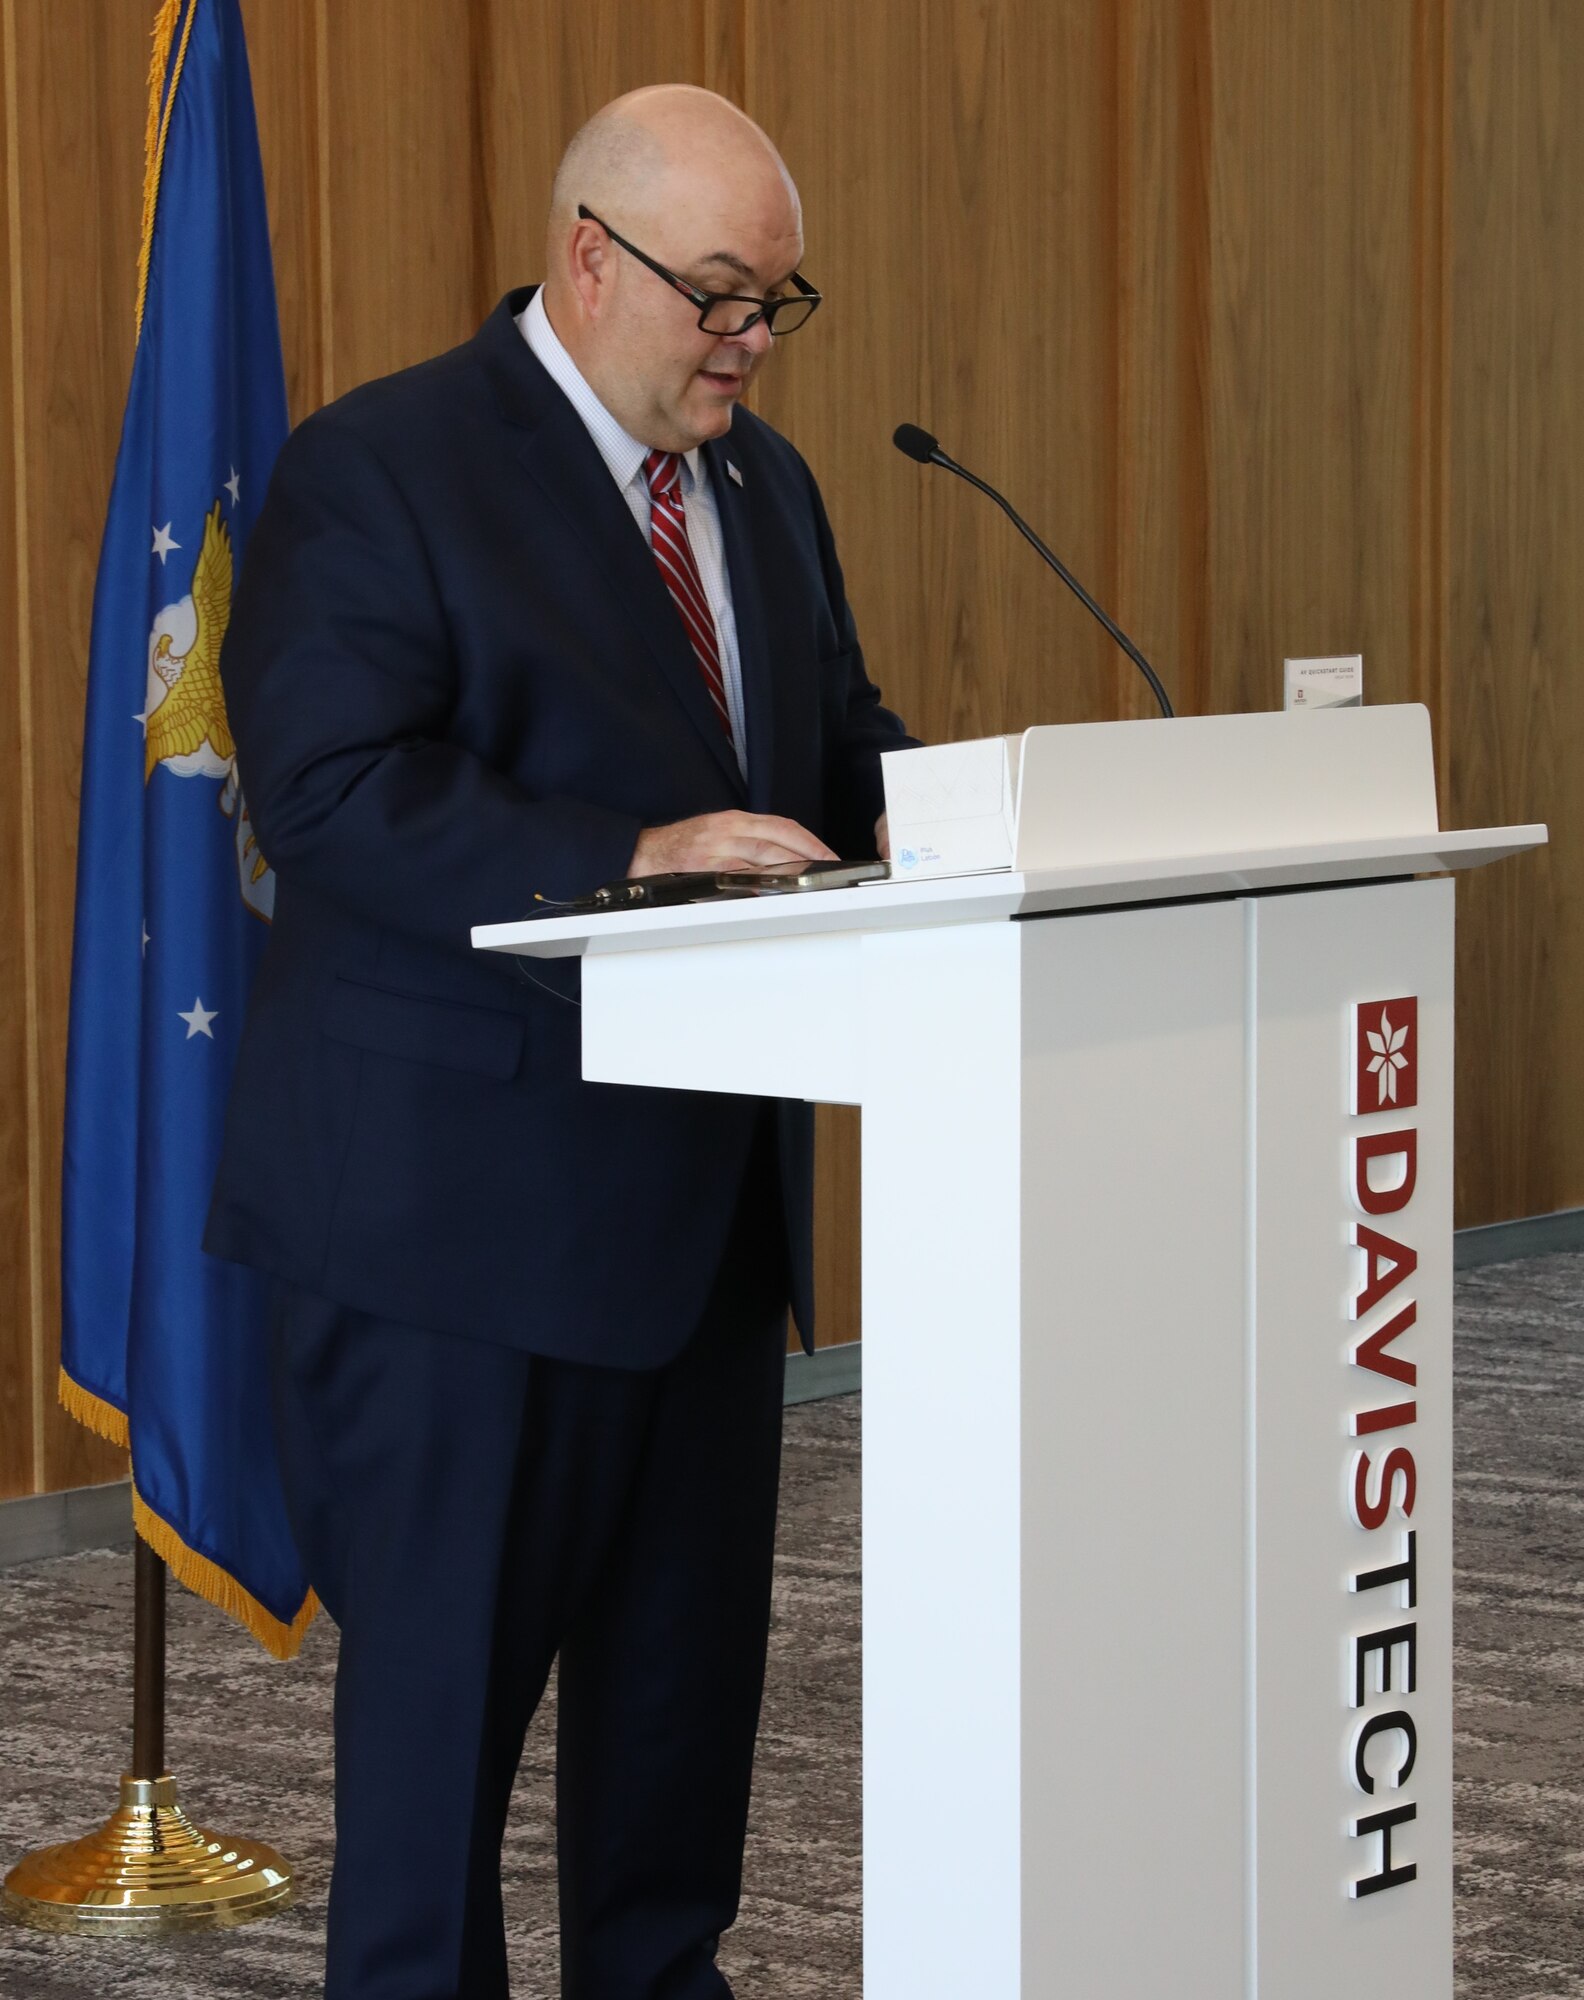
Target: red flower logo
{"points": [[1386, 1045]]}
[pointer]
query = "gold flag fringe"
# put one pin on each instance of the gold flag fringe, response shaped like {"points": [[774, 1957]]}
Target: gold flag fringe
{"points": [[210, 1582], [157, 127], [207, 1579], [93, 1411]]}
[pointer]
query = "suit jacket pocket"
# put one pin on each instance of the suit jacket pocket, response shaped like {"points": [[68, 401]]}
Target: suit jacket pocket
{"points": [[445, 1033]]}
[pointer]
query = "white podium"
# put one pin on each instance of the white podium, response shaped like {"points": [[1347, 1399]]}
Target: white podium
{"points": [[1157, 1215]]}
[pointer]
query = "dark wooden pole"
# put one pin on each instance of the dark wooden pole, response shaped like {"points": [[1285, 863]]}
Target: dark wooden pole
{"points": [[148, 1664]]}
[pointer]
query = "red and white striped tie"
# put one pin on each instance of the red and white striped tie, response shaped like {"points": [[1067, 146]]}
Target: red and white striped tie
{"points": [[673, 552]]}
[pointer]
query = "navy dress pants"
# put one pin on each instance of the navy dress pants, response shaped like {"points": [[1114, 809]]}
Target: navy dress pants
{"points": [[466, 1513]]}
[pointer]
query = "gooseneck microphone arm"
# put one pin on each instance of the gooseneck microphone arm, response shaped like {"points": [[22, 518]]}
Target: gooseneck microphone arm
{"points": [[919, 445]]}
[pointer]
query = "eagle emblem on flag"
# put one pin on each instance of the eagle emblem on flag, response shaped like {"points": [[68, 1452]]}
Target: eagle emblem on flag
{"points": [[185, 726], [186, 720]]}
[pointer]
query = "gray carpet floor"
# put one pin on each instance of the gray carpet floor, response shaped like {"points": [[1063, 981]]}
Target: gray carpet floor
{"points": [[249, 1740]]}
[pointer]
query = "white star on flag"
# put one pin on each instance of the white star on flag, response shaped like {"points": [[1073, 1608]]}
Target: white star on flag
{"points": [[164, 542], [233, 486], [198, 1020]]}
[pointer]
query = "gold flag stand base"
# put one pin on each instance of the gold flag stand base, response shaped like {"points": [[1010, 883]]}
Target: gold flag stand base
{"points": [[147, 1868]]}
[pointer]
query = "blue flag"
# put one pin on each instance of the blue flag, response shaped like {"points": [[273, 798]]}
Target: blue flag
{"points": [[163, 1348]]}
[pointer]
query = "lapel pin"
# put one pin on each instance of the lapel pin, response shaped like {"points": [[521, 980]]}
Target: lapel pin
{"points": [[732, 473]]}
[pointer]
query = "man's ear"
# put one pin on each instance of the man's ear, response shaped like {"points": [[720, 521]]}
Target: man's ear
{"points": [[587, 264]]}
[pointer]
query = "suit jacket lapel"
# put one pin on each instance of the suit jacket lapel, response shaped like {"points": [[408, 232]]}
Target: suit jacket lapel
{"points": [[753, 640], [556, 450]]}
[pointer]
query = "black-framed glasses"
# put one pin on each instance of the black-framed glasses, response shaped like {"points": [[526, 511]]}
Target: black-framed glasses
{"points": [[719, 312]]}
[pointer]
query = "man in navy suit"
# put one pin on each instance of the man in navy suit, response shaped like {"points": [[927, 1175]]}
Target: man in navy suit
{"points": [[542, 612]]}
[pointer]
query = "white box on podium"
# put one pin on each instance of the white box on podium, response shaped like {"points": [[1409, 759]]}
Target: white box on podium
{"points": [[952, 807]]}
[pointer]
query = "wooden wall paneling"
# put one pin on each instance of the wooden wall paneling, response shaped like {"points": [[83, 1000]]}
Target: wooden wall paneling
{"points": [[520, 132], [1517, 618], [584, 56], [1313, 343], [1240, 393], [403, 195], [723, 64], [285, 56], [1161, 575], [970, 312], [20, 1327], [841, 92], [1429, 608], [976, 261], [1376, 363], [1056, 396], [541, 72], [81, 72], [1017, 178], [838, 1204]]}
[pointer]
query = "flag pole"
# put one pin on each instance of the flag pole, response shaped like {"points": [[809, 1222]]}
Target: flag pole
{"points": [[148, 1664], [148, 1868]]}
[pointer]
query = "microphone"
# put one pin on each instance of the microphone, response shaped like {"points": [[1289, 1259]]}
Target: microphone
{"points": [[919, 445]]}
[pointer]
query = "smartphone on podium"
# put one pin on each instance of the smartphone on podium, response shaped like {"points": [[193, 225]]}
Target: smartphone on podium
{"points": [[717, 885]]}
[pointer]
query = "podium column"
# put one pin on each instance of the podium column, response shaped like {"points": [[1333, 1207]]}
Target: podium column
{"points": [[1055, 1666], [1148, 1707]]}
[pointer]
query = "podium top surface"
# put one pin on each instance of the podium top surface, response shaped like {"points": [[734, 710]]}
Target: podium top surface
{"points": [[1002, 895]]}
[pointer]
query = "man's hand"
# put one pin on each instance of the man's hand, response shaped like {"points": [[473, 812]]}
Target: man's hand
{"points": [[883, 837], [720, 841]]}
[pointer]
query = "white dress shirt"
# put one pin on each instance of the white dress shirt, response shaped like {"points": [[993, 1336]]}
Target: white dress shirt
{"points": [[625, 456]]}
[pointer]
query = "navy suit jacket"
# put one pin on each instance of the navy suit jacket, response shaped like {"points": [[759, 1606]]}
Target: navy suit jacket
{"points": [[455, 679]]}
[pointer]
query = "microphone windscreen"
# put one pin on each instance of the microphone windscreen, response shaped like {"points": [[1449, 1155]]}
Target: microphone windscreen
{"points": [[908, 438]]}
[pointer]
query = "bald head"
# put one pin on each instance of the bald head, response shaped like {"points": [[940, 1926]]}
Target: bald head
{"points": [[638, 149], [694, 184]]}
